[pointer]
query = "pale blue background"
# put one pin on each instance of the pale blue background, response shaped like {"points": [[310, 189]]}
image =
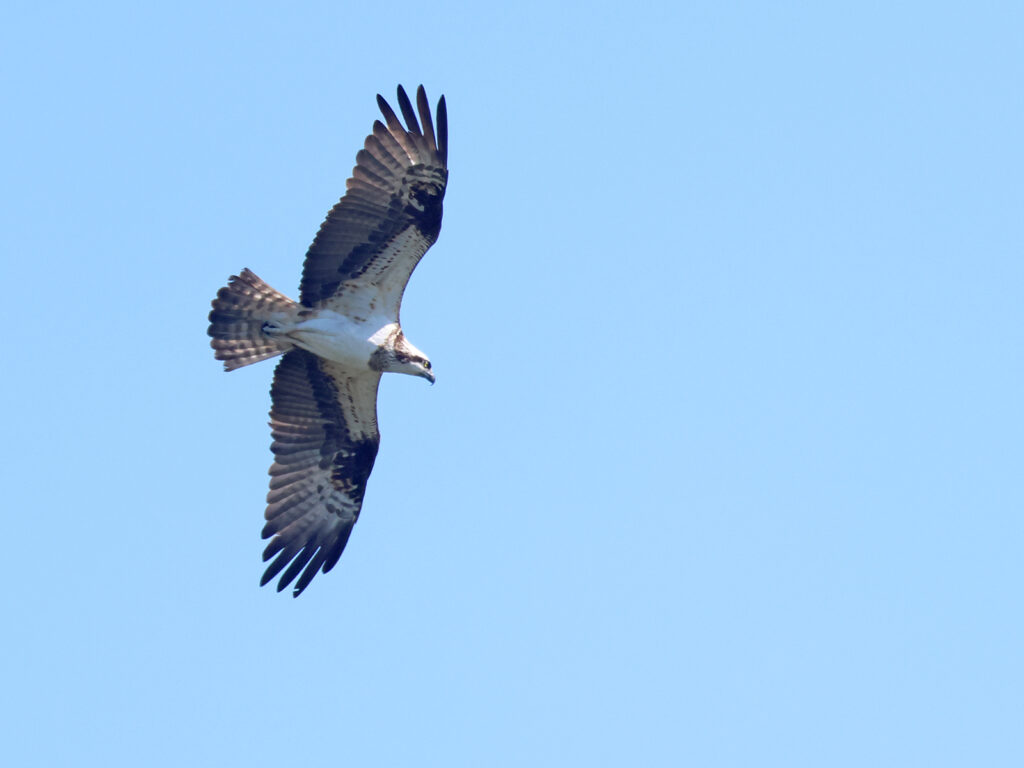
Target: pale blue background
{"points": [[723, 465]]}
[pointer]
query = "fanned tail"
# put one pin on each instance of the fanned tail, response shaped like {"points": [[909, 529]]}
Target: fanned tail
{"points": [[240, 312]]}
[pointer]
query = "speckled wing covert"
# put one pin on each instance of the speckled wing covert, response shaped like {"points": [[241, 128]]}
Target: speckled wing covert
{"points": [[324, 424], [372, 240]]}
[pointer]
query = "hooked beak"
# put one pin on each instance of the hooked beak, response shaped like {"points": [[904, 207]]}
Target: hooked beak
{"points": [[428, 376]]}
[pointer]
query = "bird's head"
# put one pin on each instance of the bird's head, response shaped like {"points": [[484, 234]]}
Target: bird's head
{"points": [[420, 366], [402, 357]]}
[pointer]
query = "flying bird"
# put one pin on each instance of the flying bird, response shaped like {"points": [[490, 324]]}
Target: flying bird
{"points": [[339, 337]]}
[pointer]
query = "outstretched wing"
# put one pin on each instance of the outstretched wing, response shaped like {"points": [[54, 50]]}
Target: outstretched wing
{"points": [[324, 423], [390, 215]]}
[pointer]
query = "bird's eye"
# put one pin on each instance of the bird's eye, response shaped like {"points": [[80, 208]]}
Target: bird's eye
{"points": [[426, 364]]}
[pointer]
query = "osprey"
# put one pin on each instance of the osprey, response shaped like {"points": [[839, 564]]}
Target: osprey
{"points": [[338, 339]]}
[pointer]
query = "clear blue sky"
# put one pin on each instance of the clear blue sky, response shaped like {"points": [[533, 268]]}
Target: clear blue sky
{"points": [[723, 465]]}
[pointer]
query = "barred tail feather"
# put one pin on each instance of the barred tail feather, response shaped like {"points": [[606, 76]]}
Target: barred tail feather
{"points": [[241, 309]]}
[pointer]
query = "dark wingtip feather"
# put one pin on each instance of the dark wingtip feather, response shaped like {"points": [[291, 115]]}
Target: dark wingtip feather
{"points": [[298, 564], [271, 572], [273, 548], [435, 140], [389, 114], [282, 559], [428, 123], [310, 572], [442, 130], [408, 112], [276, 567]]}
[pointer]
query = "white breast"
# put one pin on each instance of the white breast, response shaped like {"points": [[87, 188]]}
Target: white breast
{"points": [[333, 336]]}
